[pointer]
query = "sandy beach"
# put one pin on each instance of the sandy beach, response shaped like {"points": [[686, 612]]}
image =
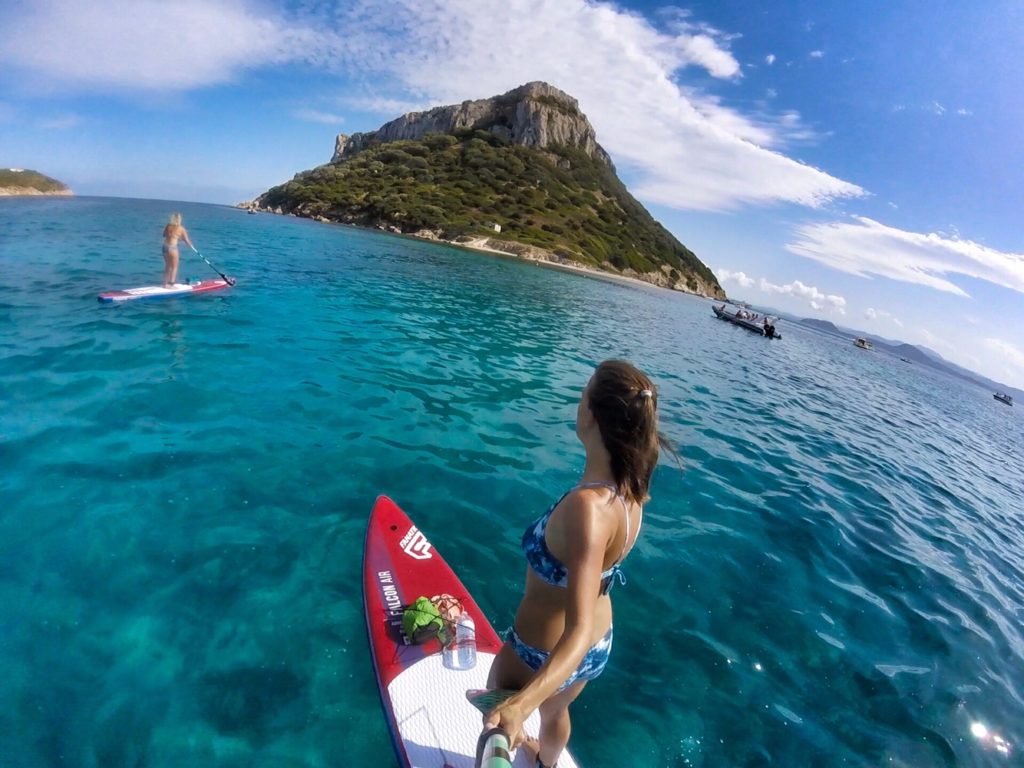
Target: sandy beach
{"points": [[579, 269]]}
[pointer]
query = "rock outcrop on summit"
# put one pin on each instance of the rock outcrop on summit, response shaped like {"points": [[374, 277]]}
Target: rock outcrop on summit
{"points": [[521, 173], [534, 115]]}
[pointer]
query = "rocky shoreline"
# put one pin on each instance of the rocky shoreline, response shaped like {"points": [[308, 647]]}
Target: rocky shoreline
{"points": [[31, 192], [513, 249]]}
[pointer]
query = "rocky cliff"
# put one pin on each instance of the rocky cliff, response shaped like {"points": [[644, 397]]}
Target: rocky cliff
{"points": [[534, 115]]}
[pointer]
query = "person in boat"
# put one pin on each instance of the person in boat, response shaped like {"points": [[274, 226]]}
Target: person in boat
{"points": [[562, 635], [173, 232]]}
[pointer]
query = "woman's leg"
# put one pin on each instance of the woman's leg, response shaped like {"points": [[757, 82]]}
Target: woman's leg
{"points": [[167, 268], [554, 724], [174, 266], [508, 670]]}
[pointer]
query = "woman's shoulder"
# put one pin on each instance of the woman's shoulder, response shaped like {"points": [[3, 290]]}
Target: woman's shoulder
{"points": [[585, 506]]}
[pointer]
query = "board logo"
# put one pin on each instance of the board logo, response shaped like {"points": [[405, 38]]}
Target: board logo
{"points": [[415, 544]]}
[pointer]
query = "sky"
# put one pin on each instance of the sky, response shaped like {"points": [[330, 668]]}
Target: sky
{"points": [[858, 162]]}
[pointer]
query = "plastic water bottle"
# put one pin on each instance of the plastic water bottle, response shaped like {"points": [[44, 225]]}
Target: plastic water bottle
{"points": [[465, 641]]}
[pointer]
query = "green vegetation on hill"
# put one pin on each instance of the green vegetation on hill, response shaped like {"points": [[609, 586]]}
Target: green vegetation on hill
{"points": [[560, 199], [29, 180]]}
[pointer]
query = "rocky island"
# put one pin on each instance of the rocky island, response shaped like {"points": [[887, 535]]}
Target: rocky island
{"points": [[521, 173], [19, 181]]}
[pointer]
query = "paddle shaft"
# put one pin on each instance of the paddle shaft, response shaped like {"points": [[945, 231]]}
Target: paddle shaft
{"points": [[493, 749], [227, 279]]}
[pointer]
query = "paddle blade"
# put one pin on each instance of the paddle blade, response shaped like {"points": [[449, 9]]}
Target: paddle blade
{"points": [[487, 701]]}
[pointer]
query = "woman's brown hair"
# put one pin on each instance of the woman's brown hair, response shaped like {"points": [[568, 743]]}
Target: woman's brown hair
{"points": [[624, 402]]}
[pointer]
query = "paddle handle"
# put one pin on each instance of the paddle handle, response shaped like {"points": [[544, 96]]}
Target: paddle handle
{"points": [[493, 749]]}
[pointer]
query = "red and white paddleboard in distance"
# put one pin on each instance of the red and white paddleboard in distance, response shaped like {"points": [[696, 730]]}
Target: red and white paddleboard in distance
{"points": [[432, 723], [159, 292]]}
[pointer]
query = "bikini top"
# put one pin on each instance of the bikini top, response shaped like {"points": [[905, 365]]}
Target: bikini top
{"points": [[548, 567]]}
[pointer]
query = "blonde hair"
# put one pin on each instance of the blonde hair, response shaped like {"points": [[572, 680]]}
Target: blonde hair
{"points": [[175, 219]]}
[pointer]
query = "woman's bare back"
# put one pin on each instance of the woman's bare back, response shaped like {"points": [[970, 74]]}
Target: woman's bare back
{"points": [[172, 233]]}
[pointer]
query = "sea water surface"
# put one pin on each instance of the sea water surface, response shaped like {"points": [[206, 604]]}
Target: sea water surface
{"points": [[833, 576]]}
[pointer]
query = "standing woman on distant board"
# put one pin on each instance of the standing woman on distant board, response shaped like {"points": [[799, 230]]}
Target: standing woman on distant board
{"points": [[172, 232], [562, 635]]}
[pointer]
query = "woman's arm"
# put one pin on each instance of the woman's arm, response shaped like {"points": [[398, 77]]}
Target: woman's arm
{"points": [[184, 236], [587, 531]]}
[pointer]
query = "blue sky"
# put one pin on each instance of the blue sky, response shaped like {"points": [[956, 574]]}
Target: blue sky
{"points": [[858, 162]]}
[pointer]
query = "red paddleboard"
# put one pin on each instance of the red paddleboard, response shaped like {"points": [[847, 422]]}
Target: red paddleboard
{"points": [[431, 722], [159, 292]]}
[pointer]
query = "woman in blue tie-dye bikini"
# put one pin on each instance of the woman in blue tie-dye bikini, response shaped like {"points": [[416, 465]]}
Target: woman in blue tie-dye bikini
{"points": [[562, 634]]}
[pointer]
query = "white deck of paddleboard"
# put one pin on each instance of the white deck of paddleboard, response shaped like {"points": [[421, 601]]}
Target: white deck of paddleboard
{"points": [[436, 722], [159, 290]]}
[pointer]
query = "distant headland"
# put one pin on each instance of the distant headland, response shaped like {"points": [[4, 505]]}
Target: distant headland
{"points": [[520, 173], [20, 181]]}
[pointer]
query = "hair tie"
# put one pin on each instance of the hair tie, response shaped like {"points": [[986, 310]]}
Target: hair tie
{"points": [[646, 393]]}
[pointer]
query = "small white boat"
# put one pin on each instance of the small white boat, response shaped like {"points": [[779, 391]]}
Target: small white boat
{"points": [[862, 343], [1002, 397]]}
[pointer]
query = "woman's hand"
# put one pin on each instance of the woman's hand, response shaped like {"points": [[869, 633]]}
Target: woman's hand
{"points": [[510, 718]]}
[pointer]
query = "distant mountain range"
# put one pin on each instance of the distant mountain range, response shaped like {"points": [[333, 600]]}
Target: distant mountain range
{"points": [[913, 353]]}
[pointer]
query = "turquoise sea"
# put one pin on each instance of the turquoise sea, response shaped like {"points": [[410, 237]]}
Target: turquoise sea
{"points": [[834, 577]]}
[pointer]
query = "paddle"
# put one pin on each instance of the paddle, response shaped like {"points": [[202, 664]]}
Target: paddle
{"points": [[227, 279]]}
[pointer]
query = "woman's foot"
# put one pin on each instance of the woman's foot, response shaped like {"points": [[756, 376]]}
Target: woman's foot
{"points": [[532, 746]]}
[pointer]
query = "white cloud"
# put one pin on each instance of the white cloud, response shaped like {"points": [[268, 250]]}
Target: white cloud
{"points": [[816, 54], [60, 122], [148, 44], [816, 298], [962, 112], [880, 314], [1010, 356], [937, 108], [865, 248], [771, 93], [769, 59], [740, 278], [386, 106], [316, 116]]}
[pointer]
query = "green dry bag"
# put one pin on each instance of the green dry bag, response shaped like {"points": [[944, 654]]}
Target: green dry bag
{"points": [[421, 621]]}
